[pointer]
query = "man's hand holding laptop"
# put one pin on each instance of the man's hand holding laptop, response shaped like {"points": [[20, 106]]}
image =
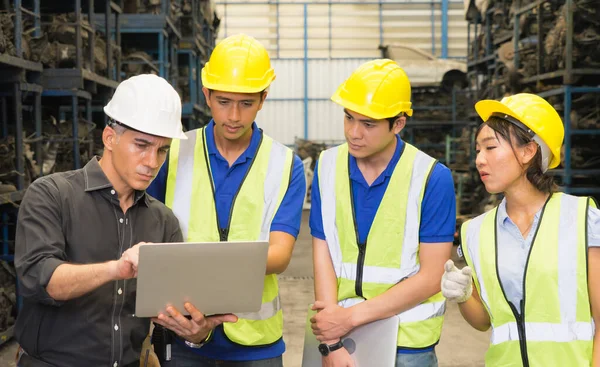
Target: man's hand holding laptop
{"points": [[197, 328]]}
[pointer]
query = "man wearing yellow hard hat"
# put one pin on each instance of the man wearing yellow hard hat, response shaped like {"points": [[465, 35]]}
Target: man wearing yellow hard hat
{"points": [[382, 221], [535, 258], [231, 182]]}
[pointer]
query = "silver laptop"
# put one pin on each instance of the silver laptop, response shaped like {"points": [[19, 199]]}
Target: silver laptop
{"points": [[373, 344], [216, 277]]}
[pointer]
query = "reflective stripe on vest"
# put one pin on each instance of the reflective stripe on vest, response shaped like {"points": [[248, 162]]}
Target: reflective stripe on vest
{"points": [[556, 326], [190, 194], [380, 266]]}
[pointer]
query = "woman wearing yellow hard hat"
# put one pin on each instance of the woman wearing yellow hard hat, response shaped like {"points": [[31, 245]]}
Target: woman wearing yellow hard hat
{"points": [[535, 258]]}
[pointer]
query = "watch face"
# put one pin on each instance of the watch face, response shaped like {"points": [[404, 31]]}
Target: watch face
{"points": [[323, 349]]}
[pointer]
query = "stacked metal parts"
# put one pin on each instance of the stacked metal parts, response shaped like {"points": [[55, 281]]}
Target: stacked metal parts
{"points": [[549, 48], [60, 62]]}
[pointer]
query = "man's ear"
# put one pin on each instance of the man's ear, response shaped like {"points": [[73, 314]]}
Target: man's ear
{"points": [[109, 138], [263, 96], [206, 93], [399, 124]]}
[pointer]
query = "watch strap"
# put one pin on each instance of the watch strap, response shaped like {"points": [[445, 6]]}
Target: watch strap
{"points": [[201, 344], [335, 346]]}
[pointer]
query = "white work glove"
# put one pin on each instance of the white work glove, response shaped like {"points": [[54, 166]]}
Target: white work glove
{"points": [[457, 285]]}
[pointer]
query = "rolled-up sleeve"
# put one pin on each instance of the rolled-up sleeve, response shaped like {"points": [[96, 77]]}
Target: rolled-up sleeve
{"points": [[39, 240]]}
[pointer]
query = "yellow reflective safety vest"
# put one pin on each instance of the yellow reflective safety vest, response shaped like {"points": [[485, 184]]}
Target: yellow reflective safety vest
{"points": [[190, 194], [391, 252], [555, 326]]}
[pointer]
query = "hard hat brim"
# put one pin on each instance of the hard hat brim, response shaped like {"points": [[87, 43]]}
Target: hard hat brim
{"points": [[362, 109], [235, 88], [353, 107], [179, 135], [487, 107]]}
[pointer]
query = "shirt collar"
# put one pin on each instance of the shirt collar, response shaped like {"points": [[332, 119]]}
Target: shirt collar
{"points": [[248, 153], [356, 174], [503, 214], [96, 180]]}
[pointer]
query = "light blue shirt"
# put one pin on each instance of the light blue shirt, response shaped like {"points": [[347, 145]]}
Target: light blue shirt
{"points": [[513, 249]]}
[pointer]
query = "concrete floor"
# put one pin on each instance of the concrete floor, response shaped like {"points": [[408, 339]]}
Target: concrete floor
{"points": [[460, 345]]}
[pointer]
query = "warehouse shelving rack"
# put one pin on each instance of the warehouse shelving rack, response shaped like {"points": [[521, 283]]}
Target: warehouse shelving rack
{"points": [[19, 78], [191, 111], [452, 127], [569, 73], [561, 82], [569, 175], [77, 101], [80, 77], [486, 65], [73, 88], [19, 82], [192, 54], [156, 34]]}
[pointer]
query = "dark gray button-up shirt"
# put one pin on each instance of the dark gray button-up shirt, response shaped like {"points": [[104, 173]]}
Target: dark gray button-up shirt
{"points": [[75, 217]]}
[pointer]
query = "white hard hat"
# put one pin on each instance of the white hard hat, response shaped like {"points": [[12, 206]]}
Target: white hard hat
{"points": [[147, 103]]}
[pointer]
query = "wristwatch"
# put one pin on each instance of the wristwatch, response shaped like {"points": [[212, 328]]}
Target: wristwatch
{"points": [[195, 345], [198, 345], [326, 349]]}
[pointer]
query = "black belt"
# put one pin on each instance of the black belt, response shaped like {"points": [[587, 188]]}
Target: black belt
{"points": [[28, 361]]}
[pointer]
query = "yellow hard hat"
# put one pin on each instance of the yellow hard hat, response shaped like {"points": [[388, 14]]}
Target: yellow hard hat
{"points": [[378, 89], [238, 64], [534, 112]]}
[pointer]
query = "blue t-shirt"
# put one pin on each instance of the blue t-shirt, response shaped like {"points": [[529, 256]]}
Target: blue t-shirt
{"points": [[227, 181], [438, 209]]}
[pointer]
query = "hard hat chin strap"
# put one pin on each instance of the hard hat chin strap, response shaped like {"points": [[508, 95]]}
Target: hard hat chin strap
{"points": [[545, 152]]}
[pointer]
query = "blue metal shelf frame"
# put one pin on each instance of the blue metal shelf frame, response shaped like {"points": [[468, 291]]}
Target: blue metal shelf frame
{"points": [[54, 78], [13, 87], [487, 63], [196, 38], [74, 95], [19, 11], [196, 49], [454, 125], [192, 109], [17, 95], [167, 40], [567, 74]]}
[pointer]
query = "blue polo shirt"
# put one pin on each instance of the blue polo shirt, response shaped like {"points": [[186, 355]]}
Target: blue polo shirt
{"points": [[438, 209], [227, 181]]}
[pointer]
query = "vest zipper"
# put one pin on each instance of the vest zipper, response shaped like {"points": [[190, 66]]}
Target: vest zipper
{"points": [[362, 247], [360, 264], [224, 231], [223, 234], [520, 318]]}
